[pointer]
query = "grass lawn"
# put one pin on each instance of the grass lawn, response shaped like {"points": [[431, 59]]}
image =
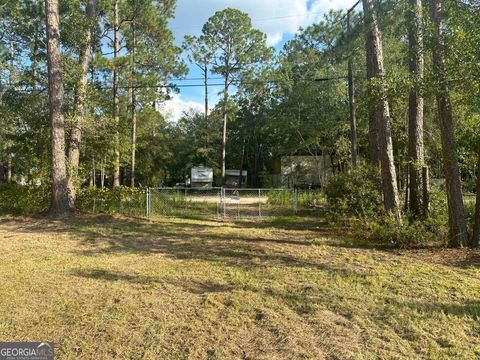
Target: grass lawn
{"points": [[111, 287]]}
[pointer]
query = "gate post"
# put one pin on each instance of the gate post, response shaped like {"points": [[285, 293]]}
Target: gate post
{"points": [[222, 191], [259, 202], [146, 202], [295, 201]]}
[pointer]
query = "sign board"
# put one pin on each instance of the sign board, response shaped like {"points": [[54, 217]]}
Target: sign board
{"points": [[201, 174]]}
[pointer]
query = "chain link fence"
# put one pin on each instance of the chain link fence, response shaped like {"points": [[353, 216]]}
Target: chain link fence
{"points": [[230, 203], [189, 202], [203, 202]]}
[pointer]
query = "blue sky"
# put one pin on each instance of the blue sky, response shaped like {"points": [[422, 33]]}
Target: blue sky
{"points": [[279, 19]]}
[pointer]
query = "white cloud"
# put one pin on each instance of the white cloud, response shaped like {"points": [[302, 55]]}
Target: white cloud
{"points": [[276, 18], [174, 108]]}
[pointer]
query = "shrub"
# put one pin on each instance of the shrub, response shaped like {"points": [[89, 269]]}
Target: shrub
{"points": [[19, 199], [279, 197], [124, 200], [406, 236], [355, 193], [309, 199]]}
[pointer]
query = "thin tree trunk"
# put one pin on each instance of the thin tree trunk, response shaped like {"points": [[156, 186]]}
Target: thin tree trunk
{"points": [[242, 160], [59, 200], [134, 111], [224, 137], [116, 100], [124, 176], [11, 80], [457, 222], [375, 71], [102, 174], [371, 40], [205, 80], [476, 227], [9, 169], [351, 97], [415, 107], [79, 108], [425, 191], [91, 182]]}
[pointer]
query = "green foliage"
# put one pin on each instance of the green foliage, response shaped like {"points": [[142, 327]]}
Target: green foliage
{"points": [[355, 193], [121, 200], [24, 200], [310, 199], [410, 235], [279, 197]]}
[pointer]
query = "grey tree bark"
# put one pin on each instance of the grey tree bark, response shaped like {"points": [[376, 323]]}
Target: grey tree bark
{"points": [[59, 199], [224, 137], [476, 228], [9, 169], [79, 108], [371, 41], [457, 223], [134, 112], [415, 107], [351, 97], [116, 100], [375, 72], [11, 80]]}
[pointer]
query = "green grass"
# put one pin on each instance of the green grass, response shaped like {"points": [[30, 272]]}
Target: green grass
{"points": [[105, 287]]}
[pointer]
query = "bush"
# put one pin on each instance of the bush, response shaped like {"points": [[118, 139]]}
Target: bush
{"points": [[24, 200], [410, 235], [123, 200], [310, 199], [355, 193], [279, 197]]}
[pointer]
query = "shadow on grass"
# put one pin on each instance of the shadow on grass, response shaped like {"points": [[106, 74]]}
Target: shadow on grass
{"points": [[102, 274], [207, 240], [464, 309]]}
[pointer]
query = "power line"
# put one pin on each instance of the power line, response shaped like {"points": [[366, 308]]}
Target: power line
{"points": [[174, 86], [306, 14]]}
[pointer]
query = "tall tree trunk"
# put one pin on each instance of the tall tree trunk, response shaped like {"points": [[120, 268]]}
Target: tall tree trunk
{"points": [[351, 97], [116, 100], [9, 169], [415, 107], [242, 160], [79, 108], [458, 227], [371, 42], [102, 173], [134, 111], [11, 80], [205, 81], [375, 71], [59, 200], [476, 227]]}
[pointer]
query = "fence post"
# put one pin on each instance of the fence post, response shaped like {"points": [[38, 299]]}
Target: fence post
{"points": [[259, 202], [185, 199], [295, 201], [223, 202], [146, 202]]}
